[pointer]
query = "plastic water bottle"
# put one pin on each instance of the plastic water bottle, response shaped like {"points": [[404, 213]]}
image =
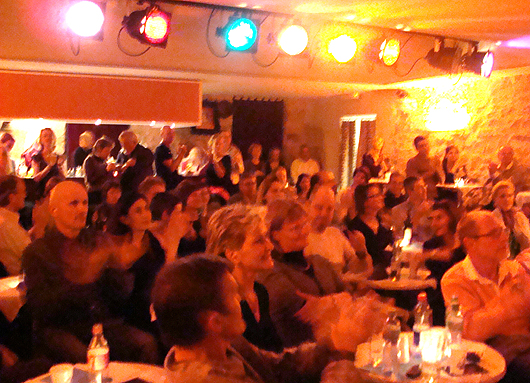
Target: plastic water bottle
{"points": [[454, 321], [391, 333], [98, 353], [422, 321]]}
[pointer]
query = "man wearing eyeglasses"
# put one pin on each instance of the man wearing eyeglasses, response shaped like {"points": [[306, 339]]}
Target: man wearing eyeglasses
{"points": [[494, 292]]}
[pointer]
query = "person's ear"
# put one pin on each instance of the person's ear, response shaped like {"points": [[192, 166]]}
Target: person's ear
{"points": [[211, 321]]}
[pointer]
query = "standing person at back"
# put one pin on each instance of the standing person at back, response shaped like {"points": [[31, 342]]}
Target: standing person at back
{"points": [[304, 164], [135, 160], [166, 166], [422, 164]]}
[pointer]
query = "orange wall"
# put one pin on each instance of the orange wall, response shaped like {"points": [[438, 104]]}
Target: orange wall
{"points": [[86, 98]]}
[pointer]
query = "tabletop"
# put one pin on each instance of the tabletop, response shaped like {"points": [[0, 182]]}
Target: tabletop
{"points": [[490, 360], [11, 298], [119, 372]]}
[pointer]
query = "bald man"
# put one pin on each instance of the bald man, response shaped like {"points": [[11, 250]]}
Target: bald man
{"points": [[166, 166], [69, 285], [510, 170], [135, 162]]}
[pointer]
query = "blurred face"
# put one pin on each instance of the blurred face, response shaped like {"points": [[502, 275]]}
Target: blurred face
{"points": [[128, 145], [113, 195], [305, 184], [505, 155], [395, 185], [423, 147], [248, 187], [281, 173], [275, 154], [105, 153], [70, 209], [255, 254], [256, 151], [9, 145], [139, 216], [439, 222], [46, 138], [222, 143], [452, 155], [232, 323], [504, 199], [490, 242], [322, 209], [375, 200], [198, 200], [420, 190], [293, 235], [360, 178], [274, 192], [167, 135]]}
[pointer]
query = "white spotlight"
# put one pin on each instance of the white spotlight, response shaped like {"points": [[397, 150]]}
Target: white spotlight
{"points": [[85, 18]]}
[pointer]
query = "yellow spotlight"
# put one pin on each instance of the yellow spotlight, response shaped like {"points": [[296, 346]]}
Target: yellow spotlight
{"points": [[342, 48], [390, 50], [293, 40]]}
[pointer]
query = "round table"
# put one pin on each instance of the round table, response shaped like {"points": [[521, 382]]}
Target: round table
{"points": [[491, 360], [402, 284], [119, 372]]}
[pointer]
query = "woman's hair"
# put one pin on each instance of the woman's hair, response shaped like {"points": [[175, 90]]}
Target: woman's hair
{"points": [[8, 186], [116, 226], [280, 212], [444, 161], [499, 186], [449, 208], [229, 226], [103, 143], [361, 196], [265, 186], [299, 182], [86, 139], [54, 138]]}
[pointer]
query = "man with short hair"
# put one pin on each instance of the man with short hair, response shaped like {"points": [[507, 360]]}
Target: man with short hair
{"points": [[494, 292], [151, 186], [197, 305], [394, 192], [248, 190], [13, 237], [304, 164], [69, 288], [414, 212], [421, 164], [166, 166], [509, 169], [135, 160]]}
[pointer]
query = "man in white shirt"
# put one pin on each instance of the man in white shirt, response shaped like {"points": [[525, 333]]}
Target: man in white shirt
{"points": [[328, 241], [13, 237], [304, 165]]}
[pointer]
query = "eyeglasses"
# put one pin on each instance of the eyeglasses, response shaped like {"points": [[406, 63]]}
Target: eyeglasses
{"points": [[374, 196], [495, 233]]}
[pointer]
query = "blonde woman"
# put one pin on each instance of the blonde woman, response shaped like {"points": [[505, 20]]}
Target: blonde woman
{"points": [[46, 163]]}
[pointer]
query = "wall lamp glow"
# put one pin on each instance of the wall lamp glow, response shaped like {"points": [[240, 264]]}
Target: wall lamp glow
{"points": [[85, 18], [342, 48], [293, 40]]}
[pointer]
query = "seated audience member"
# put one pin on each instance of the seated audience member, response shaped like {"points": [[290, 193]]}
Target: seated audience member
{"points": [[451, 166], [324, 178], [509, 169], [330, 242], [304, 164], [170, 223], [151, 186], [421, 164], [46, 163], [194, 196], [270, 189], [68, 289], [431, 180], [166, 166], [394, 192], [135, 162], [303, 184], [414, 212], [311, 274], [239, 233], [197, 305], [97, 171], [523, 202], [494, 292], [8, 141], [254, 164], [375, 237], [514, 220], [441, 252], [86, 142], [248, 189], [347, 210], [40, 215], [373, 160], [131, 222], [111, 194], [274, 160], [13, 237]]}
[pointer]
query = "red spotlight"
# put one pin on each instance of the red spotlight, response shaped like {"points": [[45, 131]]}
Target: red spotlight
{"points": [[150, 26]]}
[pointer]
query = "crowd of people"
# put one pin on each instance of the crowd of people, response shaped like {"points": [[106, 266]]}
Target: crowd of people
{"points": [[228, 268]]}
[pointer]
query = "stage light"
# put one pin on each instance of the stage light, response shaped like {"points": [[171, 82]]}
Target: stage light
{"points": [[389, 51], [480, 63], [293, 40], [241, 34], [446, 59], [149, 26], [85, 18], [342, 48]]}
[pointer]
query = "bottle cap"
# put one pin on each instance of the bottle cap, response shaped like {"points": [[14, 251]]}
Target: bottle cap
{"points": [[422, 296], [97, 329]]}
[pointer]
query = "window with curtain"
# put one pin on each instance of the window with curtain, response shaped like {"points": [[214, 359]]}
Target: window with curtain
{"points": [[357, 133]]}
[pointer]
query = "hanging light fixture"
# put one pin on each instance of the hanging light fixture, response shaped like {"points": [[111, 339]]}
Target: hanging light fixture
{"points": [[293, 39], [85, 18], [342, 48], [149, 26], [480, 63], [389, 51], [240, 34], [444, 58]]}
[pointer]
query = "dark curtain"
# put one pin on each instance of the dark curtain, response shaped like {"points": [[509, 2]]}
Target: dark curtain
{"points": [[365, 139], [257, 121], [73, 131]]}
